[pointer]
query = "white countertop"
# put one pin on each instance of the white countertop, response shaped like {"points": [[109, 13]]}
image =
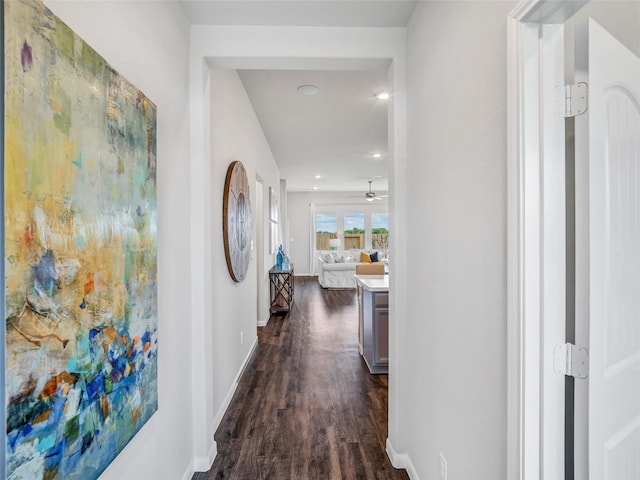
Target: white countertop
{"points": [[374, 283]]}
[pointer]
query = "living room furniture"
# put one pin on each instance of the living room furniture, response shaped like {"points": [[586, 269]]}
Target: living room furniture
{"points": [[369, 269], [373, 313], [337, 275], [281, 286], [340, 273]]}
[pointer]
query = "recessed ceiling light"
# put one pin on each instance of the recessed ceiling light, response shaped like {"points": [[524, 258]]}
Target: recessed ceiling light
{"points": [[318, 177], [308, 90], [315, 188], [376, 155], [383, 96]]}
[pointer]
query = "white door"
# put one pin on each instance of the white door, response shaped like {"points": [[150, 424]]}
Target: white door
{"points": [[611, 215]]}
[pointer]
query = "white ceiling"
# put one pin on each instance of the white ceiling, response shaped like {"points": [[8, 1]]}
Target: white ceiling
{"points": [[334, 133], [321, 13]]}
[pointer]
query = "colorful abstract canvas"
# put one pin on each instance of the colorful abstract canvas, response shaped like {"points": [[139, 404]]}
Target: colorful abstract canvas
{"points": [[80, 252]]}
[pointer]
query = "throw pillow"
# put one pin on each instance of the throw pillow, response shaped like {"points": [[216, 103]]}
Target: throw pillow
{"points": [[338, 258], [327, 258], [365, 258], [374, 256]]}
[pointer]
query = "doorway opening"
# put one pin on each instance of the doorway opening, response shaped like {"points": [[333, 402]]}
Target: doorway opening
{"points": [[253, 47], [261, 297]]}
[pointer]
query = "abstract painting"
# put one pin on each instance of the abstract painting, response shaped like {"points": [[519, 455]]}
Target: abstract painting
{"points": [[80, 252]]}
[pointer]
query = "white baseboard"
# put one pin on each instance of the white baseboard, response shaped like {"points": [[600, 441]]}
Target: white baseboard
{"points": [[203, 464], [401, 460], [227, 399], [188, 474], [263, 323]]}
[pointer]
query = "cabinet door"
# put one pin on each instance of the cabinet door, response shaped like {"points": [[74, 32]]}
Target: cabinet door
{"points": [[381, 336], [360, 320]]}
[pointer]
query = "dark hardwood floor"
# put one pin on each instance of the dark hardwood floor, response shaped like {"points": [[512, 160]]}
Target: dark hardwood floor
{"points": [[306, 406]]}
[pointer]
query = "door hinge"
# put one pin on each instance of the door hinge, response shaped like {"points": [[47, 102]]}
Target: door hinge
{"points": [[571, 100], [571, 360]]}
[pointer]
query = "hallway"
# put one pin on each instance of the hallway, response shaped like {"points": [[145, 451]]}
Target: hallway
{"points": [[306, 406]]}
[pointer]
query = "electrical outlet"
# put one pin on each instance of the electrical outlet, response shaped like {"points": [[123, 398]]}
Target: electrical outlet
{"points": [[241, 338], [443, 467]]}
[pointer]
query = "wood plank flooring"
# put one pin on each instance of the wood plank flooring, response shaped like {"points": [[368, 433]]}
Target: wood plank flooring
{"points": [[306, 406]]}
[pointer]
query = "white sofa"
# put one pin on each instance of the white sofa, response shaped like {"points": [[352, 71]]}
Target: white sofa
{"points": [[337, 275], [337, 271]]}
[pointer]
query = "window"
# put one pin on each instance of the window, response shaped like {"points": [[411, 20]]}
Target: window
{"points": [[380, 231], [273, 221], [326, 229], [353, 231]]}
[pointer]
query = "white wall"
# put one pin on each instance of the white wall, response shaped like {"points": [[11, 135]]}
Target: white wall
{"points": [[300, 219], [454, 347], [146, 42], [235, 135], [226, 330]]}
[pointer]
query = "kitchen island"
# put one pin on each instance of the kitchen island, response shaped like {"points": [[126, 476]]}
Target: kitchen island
{"points": [[373, 312]]}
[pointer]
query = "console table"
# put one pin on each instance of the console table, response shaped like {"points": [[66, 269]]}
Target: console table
{"points": [[281, 288]]}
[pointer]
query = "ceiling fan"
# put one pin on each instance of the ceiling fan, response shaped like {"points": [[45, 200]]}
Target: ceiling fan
{"points": [[371, 196]]}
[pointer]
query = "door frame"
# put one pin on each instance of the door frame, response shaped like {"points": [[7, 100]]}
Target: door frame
{"points": [[262, 307], [294, 48], [535, 258]]}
